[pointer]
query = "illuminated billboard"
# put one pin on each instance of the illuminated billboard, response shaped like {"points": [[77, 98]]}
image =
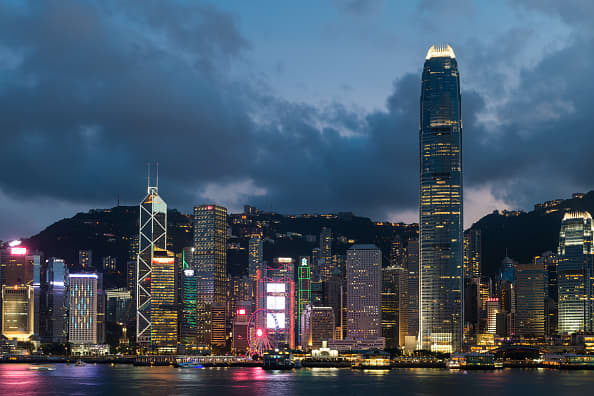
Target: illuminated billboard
{"points": [[275, 319], [275, 287], [275, 303]]}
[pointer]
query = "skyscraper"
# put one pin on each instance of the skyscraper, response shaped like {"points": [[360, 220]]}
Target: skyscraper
{"points": [[18, 311], [472, 253], [152, 237], [163, 302], [276, 294], [326, 253], [303, 290], [56, 275], [530, 299], [575, 273], [412, 288], [364, 284], [441, 225], [317, 325], [82, 308], [188, 321], [256, 255], [210, 264], [390, 294]]}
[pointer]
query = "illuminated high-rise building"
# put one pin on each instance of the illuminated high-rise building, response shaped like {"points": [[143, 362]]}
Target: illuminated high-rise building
{"points": [[85, 259], [16, 265], [163, 303], [188, 321], [210, 264], [493, 308], [256, 255], [364, 284], [575, 274], [276, 294], [317, 325], [412, 287], [18, 311], [325, 253], [530, 299], [303, 290], [441, 225], [152, 237], [82, 308], [472, 253], [397, 252], [390, 295], [56, 279]]}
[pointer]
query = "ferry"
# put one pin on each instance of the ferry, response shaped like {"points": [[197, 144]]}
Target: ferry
{"points": [[42, 367], [190, 364], [472, 361], [278, 360]]}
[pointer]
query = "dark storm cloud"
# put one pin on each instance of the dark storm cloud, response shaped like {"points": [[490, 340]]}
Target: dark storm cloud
{"points": [[91, 92]]}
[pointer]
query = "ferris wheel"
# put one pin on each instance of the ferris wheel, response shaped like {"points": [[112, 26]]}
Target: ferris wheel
{"points": [[261, 339]]}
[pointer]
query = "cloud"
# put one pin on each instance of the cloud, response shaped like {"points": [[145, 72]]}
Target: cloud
{"points": [[91, 92]]}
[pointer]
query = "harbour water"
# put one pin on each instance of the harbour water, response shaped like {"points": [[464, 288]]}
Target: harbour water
{"points": [[18, 379]]}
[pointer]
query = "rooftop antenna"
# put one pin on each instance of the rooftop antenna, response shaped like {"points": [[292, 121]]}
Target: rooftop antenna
{"points": [[148, 168], [157, 174]]}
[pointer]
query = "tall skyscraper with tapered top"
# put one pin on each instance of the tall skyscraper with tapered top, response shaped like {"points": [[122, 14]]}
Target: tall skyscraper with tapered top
{"points": [[152, 236], [441, 227]]}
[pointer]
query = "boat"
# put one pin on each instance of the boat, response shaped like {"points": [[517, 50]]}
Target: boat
{"points": [[80, 363], [42, 367], [278, 360], [190, 364]]}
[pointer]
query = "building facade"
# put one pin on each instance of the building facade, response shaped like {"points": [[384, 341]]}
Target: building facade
{"points": [[364, 285], [441, 224], [18, 312], [210, 264], [163, 303], [575, 274], [82, 308], [152, 237]]}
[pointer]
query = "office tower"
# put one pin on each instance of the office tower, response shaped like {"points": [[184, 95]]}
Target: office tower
{"points": [[575, 275], [16, 265], [276, 294], [472, 305], [364, 284], [472, 253], [441, 225], [397, 252], [163, 302], [240, 328], [493, 308], [412, 267], [333, 298], [110, 264], [549, 262], [188, 320], [530, 299], [118, 306], [210, 264], [131, 276], [255, 254], [303, 290], [316, 264], [389, 296], [82, 308], [403, 307], [56, 279], [101, 308], [152, 237], [85, 259], [317, 325], [18, 311], [325, 253]]}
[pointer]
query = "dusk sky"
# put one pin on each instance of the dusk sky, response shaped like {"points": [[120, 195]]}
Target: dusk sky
{"points": [[309, 106]]}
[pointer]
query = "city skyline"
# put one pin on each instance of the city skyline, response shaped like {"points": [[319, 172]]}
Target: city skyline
{"points": [[329, 125]]}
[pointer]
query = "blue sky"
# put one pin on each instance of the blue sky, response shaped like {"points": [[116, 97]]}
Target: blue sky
{"points": [[307, 106]]}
